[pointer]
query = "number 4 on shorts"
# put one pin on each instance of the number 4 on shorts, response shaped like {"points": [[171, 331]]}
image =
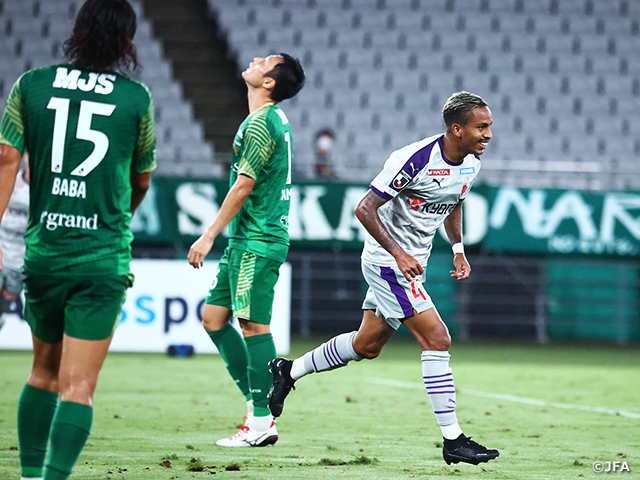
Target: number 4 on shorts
{"points": [[418, 290]]}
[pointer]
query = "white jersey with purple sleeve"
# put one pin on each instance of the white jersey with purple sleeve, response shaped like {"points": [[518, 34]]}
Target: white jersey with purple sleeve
{"points": [[422, 188]]}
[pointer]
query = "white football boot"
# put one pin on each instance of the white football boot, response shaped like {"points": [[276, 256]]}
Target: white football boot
{"points": [[248, 437]]}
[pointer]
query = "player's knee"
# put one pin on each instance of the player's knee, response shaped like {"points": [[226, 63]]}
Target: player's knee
{"points": [[213, 322], [78, 389], [441, 342], [367, 351], [44, 380]]}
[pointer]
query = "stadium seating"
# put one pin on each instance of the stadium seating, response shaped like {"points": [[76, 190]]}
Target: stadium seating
{"points": [[562, 79], [31, 36]]}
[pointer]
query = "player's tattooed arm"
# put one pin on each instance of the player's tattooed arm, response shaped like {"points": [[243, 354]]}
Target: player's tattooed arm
{"points": [[453, 227], [367, 213], [453, 224]]}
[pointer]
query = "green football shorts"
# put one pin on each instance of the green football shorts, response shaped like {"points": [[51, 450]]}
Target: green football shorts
{"points": [[88, 309], [245, 285]]}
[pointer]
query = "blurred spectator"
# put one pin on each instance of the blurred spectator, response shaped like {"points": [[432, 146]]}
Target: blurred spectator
{"points": [[324, 142]]}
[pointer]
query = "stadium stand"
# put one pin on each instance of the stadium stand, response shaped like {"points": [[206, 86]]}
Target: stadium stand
{"points": [[562, 79], [31, 35]]}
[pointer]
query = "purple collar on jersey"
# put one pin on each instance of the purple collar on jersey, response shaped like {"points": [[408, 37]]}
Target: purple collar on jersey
{"points": [[446, 160], [409, 170]]}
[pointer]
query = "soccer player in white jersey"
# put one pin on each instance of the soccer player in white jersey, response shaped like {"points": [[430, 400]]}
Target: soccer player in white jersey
{"points": [[14, 224], [421, 187]]}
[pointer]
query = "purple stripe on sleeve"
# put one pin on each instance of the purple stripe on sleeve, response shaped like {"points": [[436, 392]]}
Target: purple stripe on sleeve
{"points": [[390, 276], [443, 411], [313, 360], [412, 167], [419, 160], [440, 393], [384, 195]]}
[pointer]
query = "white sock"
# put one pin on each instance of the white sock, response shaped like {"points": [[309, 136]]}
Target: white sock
{"points": [[438, 379], [335, 353], [260, 424], [249, 407]]}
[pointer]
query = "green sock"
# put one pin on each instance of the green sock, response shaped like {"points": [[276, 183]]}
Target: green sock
{"points": [[261, 351], [69, 432], [233, 351], [35, 412]]}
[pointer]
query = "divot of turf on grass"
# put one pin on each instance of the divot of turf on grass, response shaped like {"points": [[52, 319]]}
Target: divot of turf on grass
{"points": [[330, 462], [358, 460], [363, 460], [195, 465]]}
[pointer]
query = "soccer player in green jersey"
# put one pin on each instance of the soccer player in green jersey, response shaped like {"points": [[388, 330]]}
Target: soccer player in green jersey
{"points": [[257, 211], [90, 135]]}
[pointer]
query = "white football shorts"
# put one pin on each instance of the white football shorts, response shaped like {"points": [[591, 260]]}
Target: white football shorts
{"points": [[392, 296]]}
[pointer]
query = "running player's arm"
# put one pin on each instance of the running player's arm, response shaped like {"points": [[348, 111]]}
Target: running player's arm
{"points": [[453, 227], [367, 213], [9, 165], [11, 145], [140, 183], [10, 158], [144, 155]]}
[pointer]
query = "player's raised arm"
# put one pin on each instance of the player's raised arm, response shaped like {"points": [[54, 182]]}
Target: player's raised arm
{"points": [[453, 227], [367, 213]]}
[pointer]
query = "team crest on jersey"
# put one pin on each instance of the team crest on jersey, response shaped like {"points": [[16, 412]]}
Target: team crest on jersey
{"points": [[401, 180], [439, 172]]}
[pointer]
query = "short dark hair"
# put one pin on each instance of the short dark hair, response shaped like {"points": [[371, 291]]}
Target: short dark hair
{"points": [[289, 77], [102, 36], [458, 107]]}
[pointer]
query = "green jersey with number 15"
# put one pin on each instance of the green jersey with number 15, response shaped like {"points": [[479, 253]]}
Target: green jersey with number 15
{"points": [[262, 150], [85, 132]]}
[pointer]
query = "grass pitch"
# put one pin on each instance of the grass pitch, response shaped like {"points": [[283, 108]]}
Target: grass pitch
{"points": [[551, 410]]}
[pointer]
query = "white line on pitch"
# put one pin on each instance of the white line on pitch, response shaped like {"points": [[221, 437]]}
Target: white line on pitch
{"points": [[512, 398]]}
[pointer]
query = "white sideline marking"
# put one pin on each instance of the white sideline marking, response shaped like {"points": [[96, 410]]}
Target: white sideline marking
{"points": [[513, 398]]}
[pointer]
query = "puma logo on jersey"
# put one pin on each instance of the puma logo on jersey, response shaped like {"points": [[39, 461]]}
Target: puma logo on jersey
{"points": [[69, 188], [101, 83], [437, 182]]}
